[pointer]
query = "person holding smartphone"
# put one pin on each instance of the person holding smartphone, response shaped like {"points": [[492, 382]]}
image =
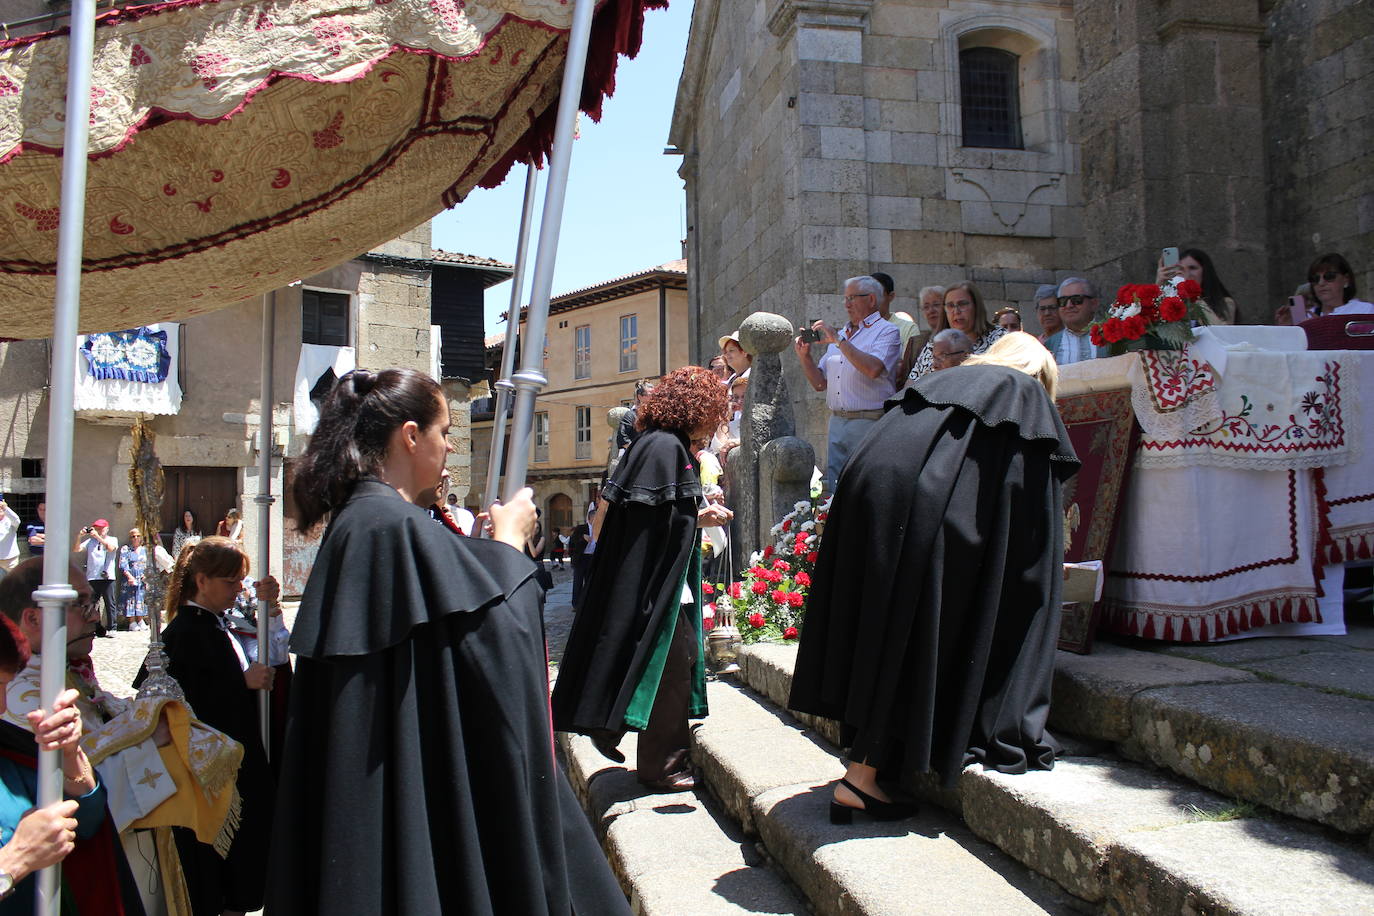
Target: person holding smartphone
{"points": [[1196, 265]]}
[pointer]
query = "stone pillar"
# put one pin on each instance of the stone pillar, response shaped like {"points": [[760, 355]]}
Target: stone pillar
{"points": [[1172, 139], [772, 467]]}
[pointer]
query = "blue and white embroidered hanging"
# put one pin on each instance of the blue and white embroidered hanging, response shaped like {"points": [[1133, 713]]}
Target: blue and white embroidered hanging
{"points": [[137, 355]]}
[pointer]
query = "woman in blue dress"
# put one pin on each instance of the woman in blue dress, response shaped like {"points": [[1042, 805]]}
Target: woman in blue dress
{"points": [[133, 563]]}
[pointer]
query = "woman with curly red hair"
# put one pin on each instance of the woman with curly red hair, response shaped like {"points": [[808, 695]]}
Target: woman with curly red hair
{"points": [[634, 659]]}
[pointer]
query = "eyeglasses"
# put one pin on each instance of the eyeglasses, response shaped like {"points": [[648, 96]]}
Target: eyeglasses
{"points": [[1076, 300], [851, 296], [1053, 307], [86, 609], [1329, 276], [963, 305]]}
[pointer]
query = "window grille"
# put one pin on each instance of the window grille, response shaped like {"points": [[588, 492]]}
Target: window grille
{"points": [[989, 97], [324, 318]]}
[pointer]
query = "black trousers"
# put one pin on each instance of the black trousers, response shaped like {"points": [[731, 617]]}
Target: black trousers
{"points": [[579, 571], [102, 594], [663, 746]]}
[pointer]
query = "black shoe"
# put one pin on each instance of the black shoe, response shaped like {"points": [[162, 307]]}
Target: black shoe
{"points": [[874, 808], [607, 746]]}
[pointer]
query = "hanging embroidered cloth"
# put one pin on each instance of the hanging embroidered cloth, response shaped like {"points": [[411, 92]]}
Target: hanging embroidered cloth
{"points": [[137, 355]]}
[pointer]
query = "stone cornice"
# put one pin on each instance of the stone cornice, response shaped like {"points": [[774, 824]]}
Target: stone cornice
{"points": [[1196, 27], [786, 15], [687, 104]]}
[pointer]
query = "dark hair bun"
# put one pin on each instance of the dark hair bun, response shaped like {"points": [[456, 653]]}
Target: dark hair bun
{"points": [[362, 381]]}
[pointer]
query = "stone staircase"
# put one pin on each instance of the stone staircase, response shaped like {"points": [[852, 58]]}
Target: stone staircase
{"points": [[1131, 822]]}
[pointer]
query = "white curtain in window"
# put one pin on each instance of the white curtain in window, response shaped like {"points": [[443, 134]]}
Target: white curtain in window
{"points": [[315, 361]]}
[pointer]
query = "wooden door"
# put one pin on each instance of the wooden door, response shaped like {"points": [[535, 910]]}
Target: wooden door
{"points": [[208, 492]]}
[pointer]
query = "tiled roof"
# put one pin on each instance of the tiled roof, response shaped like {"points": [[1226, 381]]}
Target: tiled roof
{"points": [[672, 274], [494, 340], [468, 260]]}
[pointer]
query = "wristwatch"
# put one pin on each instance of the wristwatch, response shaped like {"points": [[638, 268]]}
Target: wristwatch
{"points": [[6, 885]]}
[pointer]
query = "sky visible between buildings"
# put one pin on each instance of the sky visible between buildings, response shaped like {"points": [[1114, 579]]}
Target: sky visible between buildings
{"points": [[625, 206]]}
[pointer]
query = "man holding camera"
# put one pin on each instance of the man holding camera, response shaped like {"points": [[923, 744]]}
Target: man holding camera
{"points": [[101, 552], [855, 371]]}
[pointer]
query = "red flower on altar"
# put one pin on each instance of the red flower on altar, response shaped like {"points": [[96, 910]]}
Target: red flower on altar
{"points": [[779, 596], [1189, 289], [822, 516], [759, 587], [796, 599], [787, 524], [1095, 334], [1173, 309], [707, 588], [789, 633], [811, 557], [768, 551], [1146, 292], [757, 571], [782, 565], [1134, 327], [1112, 330], [756, 620], [708, 617], [735, 590], [803, 579]]}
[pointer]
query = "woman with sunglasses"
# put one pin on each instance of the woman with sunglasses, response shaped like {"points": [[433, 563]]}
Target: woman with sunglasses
{"points": [[222, 686], [1333, 283]]}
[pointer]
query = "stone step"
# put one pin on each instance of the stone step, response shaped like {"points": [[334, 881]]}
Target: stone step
{"points": [[775, 779], [672, 853], [1136, 841]]}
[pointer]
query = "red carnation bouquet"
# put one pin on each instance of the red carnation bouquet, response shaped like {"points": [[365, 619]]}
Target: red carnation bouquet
{"points": [[770, 602], [1149, 317]]}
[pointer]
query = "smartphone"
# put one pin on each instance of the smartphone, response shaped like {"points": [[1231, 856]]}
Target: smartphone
{"points": [[1169, 256], [1297, 309]]}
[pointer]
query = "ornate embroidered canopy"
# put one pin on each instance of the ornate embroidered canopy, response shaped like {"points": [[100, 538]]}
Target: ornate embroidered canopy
{"points": [[237, 145]]}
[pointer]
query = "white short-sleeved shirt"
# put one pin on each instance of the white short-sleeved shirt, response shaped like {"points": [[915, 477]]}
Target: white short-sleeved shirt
{"points": [[846, 388]]}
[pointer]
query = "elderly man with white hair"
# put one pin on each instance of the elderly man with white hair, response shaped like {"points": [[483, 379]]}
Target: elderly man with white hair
{"points": [[855, 372]]}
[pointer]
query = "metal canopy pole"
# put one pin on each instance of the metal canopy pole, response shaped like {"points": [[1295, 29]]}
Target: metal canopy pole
{"points": [[530, 379], [264, 501], [504, 387], [56, 592]]}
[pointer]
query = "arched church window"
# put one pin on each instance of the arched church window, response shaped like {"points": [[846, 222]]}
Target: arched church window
{"points": [[989, 97]]}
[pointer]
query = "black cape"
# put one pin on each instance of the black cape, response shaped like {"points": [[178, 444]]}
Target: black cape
{"points": [[201, 660], [633, 583], [931, 626], [418, 775]]}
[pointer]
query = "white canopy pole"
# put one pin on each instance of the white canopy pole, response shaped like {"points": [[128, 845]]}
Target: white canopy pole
{"points": [[264, 501], [530, 379], [56, 592], [504, 387]]}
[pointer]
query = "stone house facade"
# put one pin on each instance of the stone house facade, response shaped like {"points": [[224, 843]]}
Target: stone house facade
{"points": [[601, 341], [823, 139], [377, 304]]}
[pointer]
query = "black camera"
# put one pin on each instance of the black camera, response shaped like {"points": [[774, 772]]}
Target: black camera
{"points": [[809, 336]]}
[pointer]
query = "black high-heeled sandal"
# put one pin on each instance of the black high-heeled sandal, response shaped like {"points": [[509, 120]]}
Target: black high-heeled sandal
{"points": [[875, 808]]}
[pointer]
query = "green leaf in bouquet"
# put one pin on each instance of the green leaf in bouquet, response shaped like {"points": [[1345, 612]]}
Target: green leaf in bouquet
{"points": [[1175, 334]]}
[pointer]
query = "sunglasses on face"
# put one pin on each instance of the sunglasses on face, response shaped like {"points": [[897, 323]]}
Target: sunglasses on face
{"points": [[1076, 300], [1329, 276]]}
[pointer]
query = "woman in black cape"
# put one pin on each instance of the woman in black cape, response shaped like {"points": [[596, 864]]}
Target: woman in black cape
{"points": [[418, 775], [932, 622], [634, 658]]}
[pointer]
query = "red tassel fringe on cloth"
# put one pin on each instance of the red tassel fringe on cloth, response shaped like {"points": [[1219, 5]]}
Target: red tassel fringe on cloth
{"points": [[1203, 554]]}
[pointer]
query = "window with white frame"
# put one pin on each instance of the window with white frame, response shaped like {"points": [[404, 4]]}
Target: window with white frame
{"points": [[583, 433], [541, 436], [629, 343], [582, 351]]}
